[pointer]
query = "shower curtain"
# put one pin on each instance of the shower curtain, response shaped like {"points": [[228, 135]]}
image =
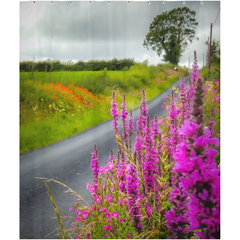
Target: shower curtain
{"points": [[73, 56]]}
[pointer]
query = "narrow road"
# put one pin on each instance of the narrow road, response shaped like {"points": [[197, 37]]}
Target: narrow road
{"points": [[67, 161]]}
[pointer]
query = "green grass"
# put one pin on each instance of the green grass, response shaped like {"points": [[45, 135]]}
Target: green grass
{"points": [[214, 72], [40, 126], [37, 134]]}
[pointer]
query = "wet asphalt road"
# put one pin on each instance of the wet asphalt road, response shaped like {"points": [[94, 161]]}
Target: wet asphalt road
{"points": [[67, 161]]}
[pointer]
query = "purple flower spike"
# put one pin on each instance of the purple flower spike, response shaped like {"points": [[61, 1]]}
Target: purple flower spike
{"points": [[114, 113], [95, 167], [132, 184], [200, 176], [195, 72], [142, 117], [124, 118], [130, 129]]}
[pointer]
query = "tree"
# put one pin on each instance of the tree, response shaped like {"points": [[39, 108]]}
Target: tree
{"points": [[215, 52], [170, 32]]}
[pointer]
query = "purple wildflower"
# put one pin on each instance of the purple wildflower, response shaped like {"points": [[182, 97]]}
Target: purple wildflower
{"points": [[107, 227], [142, 117], [130, 129], [109, 198], [195, 72], [95, 167], [132, 184], [115, 214], [114, 113], [124, 118], [107, 215], [200, 175]]}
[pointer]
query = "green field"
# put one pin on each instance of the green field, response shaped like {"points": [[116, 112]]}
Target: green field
{"points": [[57, 105]]}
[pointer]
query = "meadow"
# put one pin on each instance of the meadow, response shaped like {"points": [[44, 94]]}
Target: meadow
{"points": [[58, 105]]}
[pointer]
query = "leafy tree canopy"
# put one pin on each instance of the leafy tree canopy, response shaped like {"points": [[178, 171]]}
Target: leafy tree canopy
{"points": [[170, 32], [215, 52]]}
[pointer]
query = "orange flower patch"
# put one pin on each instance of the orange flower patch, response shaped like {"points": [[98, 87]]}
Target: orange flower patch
{"points": [[74, 96]]}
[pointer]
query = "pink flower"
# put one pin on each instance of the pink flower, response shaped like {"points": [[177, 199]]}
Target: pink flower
{"points": [[162, 106], [107, 215], [72, 227], [78, 219], [70, 209], [109, 220], [78, 212], [88, 235], [110, 165], [121, 220], [97, 199], [120, 202], [107, 227], [100, 170], [90, 188], [115, 214], [109, 198], [201, 235], [204, 195], [128, 236], [166, 97], [85, 214], [106, 169], [188, 128]]}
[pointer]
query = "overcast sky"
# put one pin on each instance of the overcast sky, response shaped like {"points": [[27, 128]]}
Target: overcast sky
{"points": [[83, 31]]}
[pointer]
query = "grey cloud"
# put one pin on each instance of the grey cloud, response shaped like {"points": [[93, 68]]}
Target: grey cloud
{"points": [[98, 21], [100, 30], [67, 50]]}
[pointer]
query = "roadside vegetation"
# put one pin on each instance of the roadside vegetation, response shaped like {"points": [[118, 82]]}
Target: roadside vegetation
{"points": [[215, 64], [167, 186], [57, 105]]}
